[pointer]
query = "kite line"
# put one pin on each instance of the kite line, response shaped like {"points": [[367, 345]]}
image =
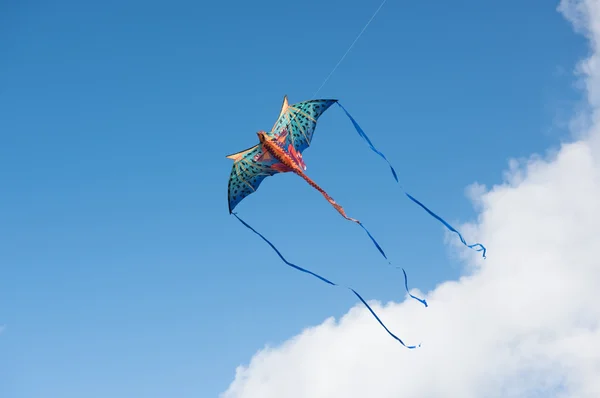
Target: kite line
{"points": [[349, 48]]}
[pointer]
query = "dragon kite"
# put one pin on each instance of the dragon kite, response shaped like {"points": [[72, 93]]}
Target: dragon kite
{"points": [[280, 151]]}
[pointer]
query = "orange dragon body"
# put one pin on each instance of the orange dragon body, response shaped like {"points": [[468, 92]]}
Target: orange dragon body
{"points": [[290, 160]]}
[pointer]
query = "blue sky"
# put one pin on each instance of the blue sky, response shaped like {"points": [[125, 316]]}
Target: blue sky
{"points": [[122, 273]]}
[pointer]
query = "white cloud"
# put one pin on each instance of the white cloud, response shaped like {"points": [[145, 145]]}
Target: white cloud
{"points": [[524, 323]]}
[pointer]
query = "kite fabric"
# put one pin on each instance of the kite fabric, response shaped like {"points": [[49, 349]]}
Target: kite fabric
{"points": [[280, 151]]}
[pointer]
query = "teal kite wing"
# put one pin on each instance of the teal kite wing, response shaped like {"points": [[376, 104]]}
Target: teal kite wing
{"points": [[300, 120], [250, 168]]}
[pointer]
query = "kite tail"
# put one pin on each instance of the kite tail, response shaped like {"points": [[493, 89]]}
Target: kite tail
{"points": [[341, 210], [477, 246], [330, 282]]}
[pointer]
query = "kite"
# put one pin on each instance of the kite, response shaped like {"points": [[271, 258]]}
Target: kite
{"points": [[280, 151]]}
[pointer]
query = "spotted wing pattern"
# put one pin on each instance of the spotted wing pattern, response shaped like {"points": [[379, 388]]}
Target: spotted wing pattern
{"points": [[250, 168], [300, 120]]}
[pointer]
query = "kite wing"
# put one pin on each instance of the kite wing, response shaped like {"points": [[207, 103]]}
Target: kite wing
{"points": [[300, 120], [250, 168]]}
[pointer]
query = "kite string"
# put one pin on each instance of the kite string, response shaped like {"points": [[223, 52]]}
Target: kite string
{"points": [[349, 48]]}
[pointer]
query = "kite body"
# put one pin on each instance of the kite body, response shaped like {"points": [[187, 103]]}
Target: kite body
{"points": [[279, 151]]}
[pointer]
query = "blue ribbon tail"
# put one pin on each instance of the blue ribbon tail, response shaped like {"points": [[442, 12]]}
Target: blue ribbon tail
{"points": [[383, 254], [422, 301], [361, 132], [326, 281], [374, 241], [477, 246]]}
